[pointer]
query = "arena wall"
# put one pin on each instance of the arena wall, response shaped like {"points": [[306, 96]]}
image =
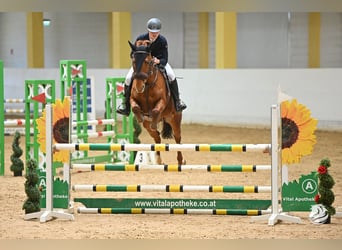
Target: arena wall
{"points": [[234, 97]]}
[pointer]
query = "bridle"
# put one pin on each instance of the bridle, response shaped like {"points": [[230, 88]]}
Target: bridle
{"points": [[144, 76]]}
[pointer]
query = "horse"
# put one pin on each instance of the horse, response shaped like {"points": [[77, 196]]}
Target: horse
{"points": [[151, 100]]}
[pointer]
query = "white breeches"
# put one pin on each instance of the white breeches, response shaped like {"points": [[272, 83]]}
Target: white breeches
{"points": [[169, 71]]}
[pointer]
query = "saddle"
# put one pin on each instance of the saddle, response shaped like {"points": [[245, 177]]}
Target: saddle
{"points": [[167, 81]]}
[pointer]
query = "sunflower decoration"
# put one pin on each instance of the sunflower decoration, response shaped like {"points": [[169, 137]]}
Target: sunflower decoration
{"points": [[60, 129], [298, 129]]}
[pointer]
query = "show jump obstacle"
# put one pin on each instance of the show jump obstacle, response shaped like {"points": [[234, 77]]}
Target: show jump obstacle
{"points": [[73, 76], [32, 110], [75, 83], [273, 216]]}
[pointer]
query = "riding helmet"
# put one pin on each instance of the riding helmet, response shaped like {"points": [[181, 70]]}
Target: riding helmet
{"points": [[154, 25]]}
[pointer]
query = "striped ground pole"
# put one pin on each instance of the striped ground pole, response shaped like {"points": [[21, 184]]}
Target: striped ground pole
{"points": [[171, 167], [172, 188], [250, 212], [265, 148]]}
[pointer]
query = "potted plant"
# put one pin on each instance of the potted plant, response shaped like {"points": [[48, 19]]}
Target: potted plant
{"points": [[17, 166], [325, 195]]}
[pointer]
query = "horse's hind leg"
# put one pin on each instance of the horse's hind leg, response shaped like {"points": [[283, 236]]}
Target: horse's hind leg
{"points": [[176, 127], [156, 137]]}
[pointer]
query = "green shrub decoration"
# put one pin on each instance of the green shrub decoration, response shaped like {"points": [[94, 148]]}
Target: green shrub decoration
{"points": [[17, 166], [32, 203], [326, 182]]}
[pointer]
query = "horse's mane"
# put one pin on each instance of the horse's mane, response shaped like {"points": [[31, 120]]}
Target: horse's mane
{"points": [[145, 43]]}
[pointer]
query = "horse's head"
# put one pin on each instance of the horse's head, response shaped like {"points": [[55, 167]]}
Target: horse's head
{"points": [[142, 61]]}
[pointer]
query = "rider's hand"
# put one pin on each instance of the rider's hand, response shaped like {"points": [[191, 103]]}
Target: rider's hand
{"points": [[156, 60]]}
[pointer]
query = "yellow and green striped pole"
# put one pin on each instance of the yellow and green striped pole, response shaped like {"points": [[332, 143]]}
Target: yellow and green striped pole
{"points": [[171, 188], [248, 212], [170, 167], [265, 148]]}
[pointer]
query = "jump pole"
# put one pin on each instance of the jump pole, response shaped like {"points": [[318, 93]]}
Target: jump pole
{"points": [[171, 167], [164, 147], [172, 188], [49, 213], [251, 212]]}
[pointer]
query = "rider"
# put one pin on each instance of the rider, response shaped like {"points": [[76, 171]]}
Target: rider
{"points": [[160, 56]]}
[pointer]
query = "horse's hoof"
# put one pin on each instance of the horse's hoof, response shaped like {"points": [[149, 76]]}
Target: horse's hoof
{"points": [[183, 162]]}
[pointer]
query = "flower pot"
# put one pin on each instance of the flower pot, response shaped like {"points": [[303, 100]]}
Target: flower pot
{"points": [[18, 173]]}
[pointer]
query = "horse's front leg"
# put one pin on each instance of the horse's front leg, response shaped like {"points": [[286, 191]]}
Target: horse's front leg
{"points": [[137, 111], [156, 113]]}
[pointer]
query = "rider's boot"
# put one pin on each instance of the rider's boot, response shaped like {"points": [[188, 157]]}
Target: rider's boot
{"points": [[179, 104], [125, 107]]}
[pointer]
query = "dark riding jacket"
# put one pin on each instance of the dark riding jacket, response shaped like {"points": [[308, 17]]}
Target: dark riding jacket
{"points": [[159, 47]]}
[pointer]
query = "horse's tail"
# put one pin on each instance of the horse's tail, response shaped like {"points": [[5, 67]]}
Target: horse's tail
{"points": [[166, 133]]}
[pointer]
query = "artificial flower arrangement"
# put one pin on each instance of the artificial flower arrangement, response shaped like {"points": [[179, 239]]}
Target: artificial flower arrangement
{"points": [[325, 195]]}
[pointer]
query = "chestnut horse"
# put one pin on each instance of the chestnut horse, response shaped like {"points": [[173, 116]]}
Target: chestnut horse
{"points": [[151, 99]]}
